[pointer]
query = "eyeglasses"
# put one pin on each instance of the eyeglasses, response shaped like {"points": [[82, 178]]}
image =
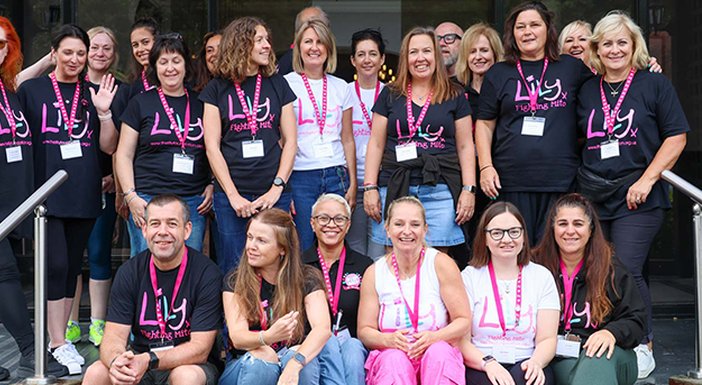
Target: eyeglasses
{"points": [[3, 44], [324, 219], [449, 38], [498, 234]]}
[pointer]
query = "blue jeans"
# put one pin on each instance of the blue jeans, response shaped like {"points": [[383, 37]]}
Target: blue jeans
{"points": [[232, 228], [249, 370], [359, 236], [342, 362], [100, 241], [136, 238], [306, 187]]}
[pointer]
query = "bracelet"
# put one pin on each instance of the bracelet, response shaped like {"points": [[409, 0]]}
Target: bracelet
{"points": [[107, 116], [112, 362], [368, 184], [260, 338], [367, 188], [469, 188], [131, 190], [484, 167], [127, 201]]}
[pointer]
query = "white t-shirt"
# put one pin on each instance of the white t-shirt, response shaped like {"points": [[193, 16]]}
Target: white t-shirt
{"points": [[393, 314], [538, 293], [339, 99], [361, 131]]}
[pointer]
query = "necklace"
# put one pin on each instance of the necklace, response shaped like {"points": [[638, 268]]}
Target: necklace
{"points": [[613, 91], [507, 286]]}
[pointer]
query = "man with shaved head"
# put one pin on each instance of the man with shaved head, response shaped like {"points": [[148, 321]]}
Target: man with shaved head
{"points": [[449, 35]]}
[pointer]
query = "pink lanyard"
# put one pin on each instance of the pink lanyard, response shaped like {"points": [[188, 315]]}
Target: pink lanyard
{"points": [[158, 292], [145, 82], [533, 95], [610, 115], [498, 303], [568, 292], [321, 117], [7, 110], [250, 114], [69, 121], [333, 296], [182, 136], [414, 315], [414, 126], [261, 308], [364, 110]]}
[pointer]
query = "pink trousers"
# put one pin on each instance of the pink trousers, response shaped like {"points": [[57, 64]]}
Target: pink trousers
{"points": [[441, 364]]}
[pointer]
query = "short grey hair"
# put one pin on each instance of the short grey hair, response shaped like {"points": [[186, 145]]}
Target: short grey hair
{"points": [[335, 198]]}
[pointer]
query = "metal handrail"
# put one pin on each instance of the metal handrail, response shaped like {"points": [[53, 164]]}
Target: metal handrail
{"points": [[34, 203], [34, 200], [681, 184], [696, 195]]}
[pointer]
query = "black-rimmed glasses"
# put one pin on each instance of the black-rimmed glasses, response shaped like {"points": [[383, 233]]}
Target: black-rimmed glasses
{"points": [[449, 38], [324, 219], [498, 234]]}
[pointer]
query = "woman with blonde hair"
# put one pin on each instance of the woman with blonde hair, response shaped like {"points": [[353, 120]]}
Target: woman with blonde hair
{"points": [[275, 308], [574, 40], [421, 145], [250, 133], [635, 128], [326, 158]]}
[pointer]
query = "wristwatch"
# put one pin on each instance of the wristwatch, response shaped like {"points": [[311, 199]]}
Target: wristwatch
{"points": [[153, 361], [486, 360], [300, 359], [279, 182], [469, 188]]}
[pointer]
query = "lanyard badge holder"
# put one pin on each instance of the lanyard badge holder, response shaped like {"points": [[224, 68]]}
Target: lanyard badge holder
{"points": [[321, 149], [14, 152], [610, 147], [182, 163], [568, 345], [70, 149], [408, 151], [533, 125], [251, 148]]}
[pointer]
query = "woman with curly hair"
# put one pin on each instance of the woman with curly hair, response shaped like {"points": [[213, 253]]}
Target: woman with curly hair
{"points": [[275, 307], [250, 133]]}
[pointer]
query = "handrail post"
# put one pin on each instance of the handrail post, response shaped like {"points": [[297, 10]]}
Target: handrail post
{"points": [[40, 352], [697, 220]]}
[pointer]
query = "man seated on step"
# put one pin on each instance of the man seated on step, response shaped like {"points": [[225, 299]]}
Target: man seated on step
{"points": [[169, 298]]}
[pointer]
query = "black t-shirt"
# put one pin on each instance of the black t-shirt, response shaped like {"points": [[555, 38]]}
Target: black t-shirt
{"points": [[285, 62], [474, 101], [436, 135], [79, 195], [354, 267], [313, 282], [197, 307], [153, 160], [250, 175], [650, 113], [18, 176], [525, 163]]}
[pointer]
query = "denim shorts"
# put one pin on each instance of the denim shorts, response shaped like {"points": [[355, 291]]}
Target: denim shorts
{"points": [[441, 216]]}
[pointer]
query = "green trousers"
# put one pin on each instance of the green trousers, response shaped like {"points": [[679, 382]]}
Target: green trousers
{"points": [[621, 369]]}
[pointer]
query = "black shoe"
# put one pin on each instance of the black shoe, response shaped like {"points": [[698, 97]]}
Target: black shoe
{"points": [[4, 374], [53, 368]]}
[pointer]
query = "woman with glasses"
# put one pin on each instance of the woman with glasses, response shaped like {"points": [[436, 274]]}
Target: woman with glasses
{"points": [[514, 302], [342, 269], [161, 146], [421, 145], [604, 316], [326, 154], [413, 311], [251, 149], [367, 57], [275, 307]]}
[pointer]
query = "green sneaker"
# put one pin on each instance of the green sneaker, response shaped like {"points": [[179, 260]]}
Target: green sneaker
{"points": [[97, 329], [73, 332]]}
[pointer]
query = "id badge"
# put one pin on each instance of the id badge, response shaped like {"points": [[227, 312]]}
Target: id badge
{"points": [[323, 150], [161, 346], [13, 154], [504, 354], [71, 150], [533, 126], [568, 347], [609, 149], [252, 149], [343, 335], [183, 164], [407, 151]]}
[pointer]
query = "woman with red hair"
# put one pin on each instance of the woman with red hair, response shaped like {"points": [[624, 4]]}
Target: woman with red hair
{"points": [[15, 165]]}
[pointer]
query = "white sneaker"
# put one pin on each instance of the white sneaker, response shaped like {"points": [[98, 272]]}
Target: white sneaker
{"points": [[63, 355], [76, 356], [645, 360]]}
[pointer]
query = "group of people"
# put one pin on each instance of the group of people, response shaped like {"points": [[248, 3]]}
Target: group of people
{"points": [[335, 204]]}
